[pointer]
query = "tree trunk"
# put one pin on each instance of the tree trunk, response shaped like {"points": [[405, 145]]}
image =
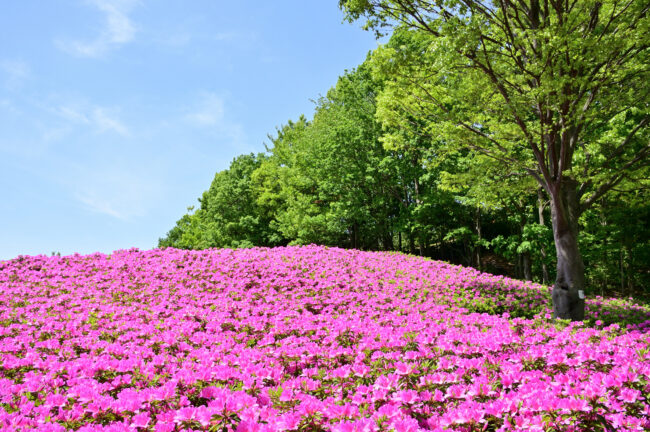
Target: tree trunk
{"points": [[605, 248], [542, 250], [477, 224], [418, 202], [411, 243], [519, 272], [568, 292], [423, 244], [524, 257], [388, 241], [620, 266], [527, 266]]}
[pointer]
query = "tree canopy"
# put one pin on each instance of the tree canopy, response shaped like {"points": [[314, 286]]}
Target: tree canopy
{"points": [[556, 90], [490, 134]]}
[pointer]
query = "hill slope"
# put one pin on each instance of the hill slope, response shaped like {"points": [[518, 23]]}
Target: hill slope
{"points": [[306, 338]]}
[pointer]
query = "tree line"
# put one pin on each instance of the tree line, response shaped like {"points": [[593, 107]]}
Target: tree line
{"points": [[492, 137]]}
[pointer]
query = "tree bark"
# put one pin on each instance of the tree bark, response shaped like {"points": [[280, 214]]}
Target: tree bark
{"points": [[411, 243], [568, 292], [388, 241], [527, 266], [542, 250], [526, 262], [477, 224], [620, 264], [418, 202], [355, 236]]}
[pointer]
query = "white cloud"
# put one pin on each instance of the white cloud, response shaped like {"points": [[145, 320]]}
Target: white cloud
{"points": [[15, 73], [208, 112], [54, 134], [115, 191], [72, 114], [100, 205], [185, 34], [9, 106], [105, 122], [118, 29], [99, 118]]}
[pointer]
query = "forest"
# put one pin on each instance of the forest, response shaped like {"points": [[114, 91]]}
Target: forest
{"points": [[504, 139]]}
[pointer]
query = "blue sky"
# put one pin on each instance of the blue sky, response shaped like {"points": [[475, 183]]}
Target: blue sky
{"points": [[116, 114]]}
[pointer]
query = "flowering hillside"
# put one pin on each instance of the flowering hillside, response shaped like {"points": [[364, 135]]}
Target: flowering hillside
{"points": [[305, 339]]}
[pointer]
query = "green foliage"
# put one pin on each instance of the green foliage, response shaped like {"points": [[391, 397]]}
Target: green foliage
{"points": [[331, 181], [616, 242], [517, 92], [228, 215], [504, 98], [422, 149]]}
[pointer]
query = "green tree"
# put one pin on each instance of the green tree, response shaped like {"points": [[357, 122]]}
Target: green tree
{"points": [[187, 233], [553, 89], [409, 125], [276, 182], [616, 242], [229, 215], [330, 180]]}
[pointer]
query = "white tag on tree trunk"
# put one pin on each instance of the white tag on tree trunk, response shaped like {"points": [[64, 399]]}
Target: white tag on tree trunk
{"points": [[581, 294]]}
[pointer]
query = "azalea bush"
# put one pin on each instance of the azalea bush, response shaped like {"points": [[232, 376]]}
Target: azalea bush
{"points": [[306, 339]]}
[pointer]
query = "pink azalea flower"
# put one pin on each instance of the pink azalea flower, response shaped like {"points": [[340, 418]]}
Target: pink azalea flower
{"points": [[405, 425], [140, 420]]}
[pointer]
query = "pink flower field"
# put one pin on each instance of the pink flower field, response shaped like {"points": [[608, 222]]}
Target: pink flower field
{"points": [[306, 339]]}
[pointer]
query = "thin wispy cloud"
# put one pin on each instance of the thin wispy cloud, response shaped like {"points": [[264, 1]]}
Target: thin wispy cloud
{"points": [[104, 122], [14, 72], [184, 36], [209, 113], [97, 204], [38, 127], [100, 119], [115, 191], [53, 134], [71, 114], [8, 106], [118, 29]]}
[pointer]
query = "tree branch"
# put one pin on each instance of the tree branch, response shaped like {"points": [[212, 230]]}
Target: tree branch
{"points": [[616, 179]]}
